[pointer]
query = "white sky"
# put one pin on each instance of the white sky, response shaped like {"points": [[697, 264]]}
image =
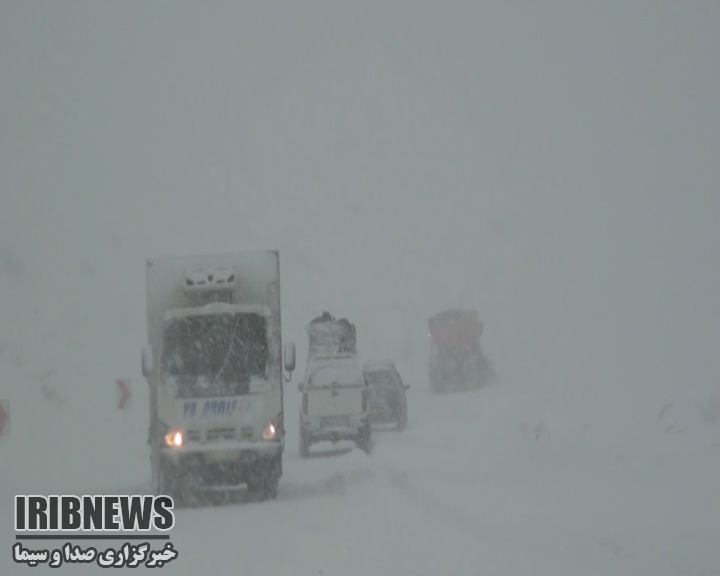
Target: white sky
{"points": [[553, 165]]}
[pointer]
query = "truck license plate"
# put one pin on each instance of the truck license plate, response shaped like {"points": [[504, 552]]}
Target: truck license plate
{"points": [[337, 421]]}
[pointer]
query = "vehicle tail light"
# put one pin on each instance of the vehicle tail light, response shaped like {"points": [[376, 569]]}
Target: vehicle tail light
{"points": [[305, 403], [364, 401]]}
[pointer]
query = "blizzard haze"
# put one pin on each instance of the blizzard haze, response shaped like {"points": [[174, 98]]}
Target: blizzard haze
{"points": [[553, 166]]}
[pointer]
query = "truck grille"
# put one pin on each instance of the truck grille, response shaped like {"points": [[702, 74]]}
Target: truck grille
{"points": [[212, 434], [220, 434]]}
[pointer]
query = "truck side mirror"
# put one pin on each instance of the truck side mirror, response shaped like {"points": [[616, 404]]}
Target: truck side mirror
{"points": [[147, 361], [290, 356]]}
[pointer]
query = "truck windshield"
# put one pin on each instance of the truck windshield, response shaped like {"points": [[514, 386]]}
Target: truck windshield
{"points": [[216, 354]]}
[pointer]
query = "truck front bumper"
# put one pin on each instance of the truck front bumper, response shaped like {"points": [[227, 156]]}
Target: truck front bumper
{"points": [[319, 429], [227, 466]]}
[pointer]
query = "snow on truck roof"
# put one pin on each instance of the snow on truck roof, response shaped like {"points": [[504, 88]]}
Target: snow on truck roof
{"points": [[209, 277], [218, 308]]}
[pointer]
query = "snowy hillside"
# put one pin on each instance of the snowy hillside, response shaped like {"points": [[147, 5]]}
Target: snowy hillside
{"points": [[551, 168]]}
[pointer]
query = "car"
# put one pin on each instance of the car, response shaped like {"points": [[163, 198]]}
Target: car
{"points": [[388, 402], [334, 404]]}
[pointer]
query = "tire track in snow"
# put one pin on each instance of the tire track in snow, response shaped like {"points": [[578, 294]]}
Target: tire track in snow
{"points": [[337, 483], [466, 540], [429, 503]]}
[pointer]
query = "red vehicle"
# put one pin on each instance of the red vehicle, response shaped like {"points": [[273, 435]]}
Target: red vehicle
{"points": [[456, 358]]}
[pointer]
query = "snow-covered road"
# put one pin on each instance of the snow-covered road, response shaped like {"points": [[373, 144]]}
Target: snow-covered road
{"points": [[499, 481]]}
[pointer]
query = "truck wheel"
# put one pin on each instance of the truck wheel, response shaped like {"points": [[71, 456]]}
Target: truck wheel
{"points": [[254, 488], [304, 445], [170, 484], [264, 488], [364, 440], [263, 481], [487, 374], [270, 489]]}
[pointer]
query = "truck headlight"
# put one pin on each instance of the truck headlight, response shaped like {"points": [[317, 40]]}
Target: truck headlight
{"points": [[269, 432], [174, 439]]}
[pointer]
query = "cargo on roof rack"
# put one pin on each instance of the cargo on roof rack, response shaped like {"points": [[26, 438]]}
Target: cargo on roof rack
{"points": [[331, 338]]}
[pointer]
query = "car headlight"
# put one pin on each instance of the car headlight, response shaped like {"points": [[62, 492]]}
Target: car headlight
{"points": [[174, 439], [269, 432]]}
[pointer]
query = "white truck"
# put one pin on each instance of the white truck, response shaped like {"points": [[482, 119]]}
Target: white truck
{"points": [[334, 402], [214, 368]]}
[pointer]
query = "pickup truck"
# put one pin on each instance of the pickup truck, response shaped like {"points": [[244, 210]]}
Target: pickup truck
{"points": [[334, 404]]}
